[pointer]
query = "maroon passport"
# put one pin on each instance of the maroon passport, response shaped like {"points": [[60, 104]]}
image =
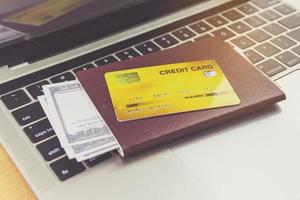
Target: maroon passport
{"points": [[254, 89]]}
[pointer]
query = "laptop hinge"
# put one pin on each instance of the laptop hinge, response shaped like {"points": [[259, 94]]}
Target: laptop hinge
{"points": [[5, 67], [19, 66]]}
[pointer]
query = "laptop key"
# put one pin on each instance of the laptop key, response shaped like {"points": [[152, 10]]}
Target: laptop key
{"points": [[259, 35], [271, 67], [15, 99], [247, 9], [283, 42], [183, 34], [274, 29], [217, 21], [96, 160], [65, 168], [285, 9], [253, 56], [291, 22], [288, 58], [39, 131], [201, 27], [265, 3], [255, 21], [50, 149], [297, 50], [239, 27], [127, 54], [166, 41], [84, 68], [224, 33], [36, 89], [68, 76], [243, 42], [267, 49], [106, 60], [147, 47], [28, 114], [295, 34], [233, 15], [270, 15]]}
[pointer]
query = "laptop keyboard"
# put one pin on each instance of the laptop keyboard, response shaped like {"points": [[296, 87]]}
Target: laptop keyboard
{"points": [[266, 32]]}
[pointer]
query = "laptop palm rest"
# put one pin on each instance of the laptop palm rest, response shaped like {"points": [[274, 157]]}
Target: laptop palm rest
{"points": [[256, 157]]}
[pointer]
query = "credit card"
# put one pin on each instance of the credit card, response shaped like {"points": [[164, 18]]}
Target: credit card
{"points": [[45, 12], [168, 89]]}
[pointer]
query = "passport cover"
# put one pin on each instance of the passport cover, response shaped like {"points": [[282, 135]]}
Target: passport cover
{"points": [[254, 89]]}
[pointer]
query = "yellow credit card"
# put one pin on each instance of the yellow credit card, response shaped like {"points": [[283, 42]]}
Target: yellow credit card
{"points": [[45, 12], [169, 89]]}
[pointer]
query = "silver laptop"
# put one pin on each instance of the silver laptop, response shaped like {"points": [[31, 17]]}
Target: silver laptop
{"points": [[254, 157]]}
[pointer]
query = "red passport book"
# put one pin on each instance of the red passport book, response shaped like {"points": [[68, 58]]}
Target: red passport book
{"points": [[254, 89]]}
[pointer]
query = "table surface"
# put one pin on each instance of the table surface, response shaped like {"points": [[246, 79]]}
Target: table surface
{"points": [[12, 184]]}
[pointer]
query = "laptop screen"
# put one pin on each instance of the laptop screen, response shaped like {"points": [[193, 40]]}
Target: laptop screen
{"points": [[23, 22], [37, 17]]}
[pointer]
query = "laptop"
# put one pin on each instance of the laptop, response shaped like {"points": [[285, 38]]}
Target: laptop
{"points": [[254, 157]]}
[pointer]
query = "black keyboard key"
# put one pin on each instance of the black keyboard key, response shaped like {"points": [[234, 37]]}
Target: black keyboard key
{"points": [[271, 67], [285, 9], [65, 168], [166, 41], [288, 58], [96, 160], [84, 68], [239, 27], [295, 34], [50, 149], [283, 42], [15, 99], [127, 54], [274, 29], [270, 15], [247, 9], [147, 47], [233, 15], [201, 27], [217, 21], [36, 89], [253, 56], [68, 76], [265, 3], [297, 50], [106, 60], [291, 22], [28, 114], [224, 33], [183, 34], [39, 131], [259, 35], [243, 42], [267, 49], [255, 21]]}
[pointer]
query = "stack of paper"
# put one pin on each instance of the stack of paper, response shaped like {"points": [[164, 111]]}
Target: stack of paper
{"points": [[79, 127]]}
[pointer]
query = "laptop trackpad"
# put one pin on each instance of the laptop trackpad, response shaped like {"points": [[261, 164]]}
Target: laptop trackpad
{"points": [[256, 157]]}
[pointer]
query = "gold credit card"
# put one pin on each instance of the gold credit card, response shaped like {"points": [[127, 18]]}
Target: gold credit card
{"points": [[45, 12], [168, 89]]}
